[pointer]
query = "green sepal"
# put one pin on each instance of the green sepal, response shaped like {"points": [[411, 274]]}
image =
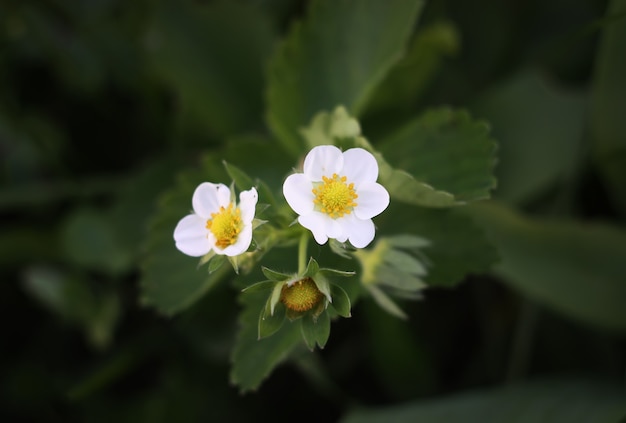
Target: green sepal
{"points": [[320, 308], [407, 241], [335, 272], [259, 286], [274, 275], [340, 248], [396, 278], [270, 321], [258, 222], [315, 331], [404, 294], [206, 258], [341, 301], [293, 315], [385, 302], [275, 297], [311, 269], [323, 285], [216, 263], [234, 261], [405, 263], [239, 177]]}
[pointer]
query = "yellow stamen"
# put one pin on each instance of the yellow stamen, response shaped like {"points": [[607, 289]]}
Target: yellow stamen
{"points": [[302, 296], [335, 196], [225, 225]]}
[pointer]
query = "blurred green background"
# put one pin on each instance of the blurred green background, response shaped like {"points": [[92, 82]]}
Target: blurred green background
{"points": [[104, 102]]}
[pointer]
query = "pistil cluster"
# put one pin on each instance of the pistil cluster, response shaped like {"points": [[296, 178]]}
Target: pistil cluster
{"points": [[225, 225], [335, 196]]}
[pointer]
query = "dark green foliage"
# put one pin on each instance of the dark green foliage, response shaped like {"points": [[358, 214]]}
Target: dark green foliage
{"points": [[113, 111]]}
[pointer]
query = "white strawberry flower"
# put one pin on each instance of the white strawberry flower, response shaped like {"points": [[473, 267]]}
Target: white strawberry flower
{"points": [[217, 223], [337, 195]]}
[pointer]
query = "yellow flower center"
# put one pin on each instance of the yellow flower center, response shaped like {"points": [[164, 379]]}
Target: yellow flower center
{"points": [[225, 225], [334, 196], [303, 295]]}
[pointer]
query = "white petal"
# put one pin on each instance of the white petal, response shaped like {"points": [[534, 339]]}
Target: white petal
{"points": [[323, 160], [359, 166], [360, 232], [205, 199], [320, 223], [191, 236], [373, 200], [315, 223], [240, 246], [297, 191], [223, 195], [333, 227], [247, 204]]}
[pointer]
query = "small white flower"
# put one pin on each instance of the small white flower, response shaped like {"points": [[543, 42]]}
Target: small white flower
{"points": [[217, 223], [337, 195]]}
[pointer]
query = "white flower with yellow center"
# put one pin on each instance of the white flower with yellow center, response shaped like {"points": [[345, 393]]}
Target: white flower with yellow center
{"points": [[337, 195], [217, 223]]}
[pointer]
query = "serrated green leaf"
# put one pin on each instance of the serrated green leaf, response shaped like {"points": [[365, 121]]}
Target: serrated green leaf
{"points": [[554, 401], [402, 186], [201, 51], [254, 359], [242, 181], [341, 301], [449, 138], [575, 268], [274, 275], [336, 56], [399, 183], [270, 323], [385, 302], [170, 280], [444, 149]]}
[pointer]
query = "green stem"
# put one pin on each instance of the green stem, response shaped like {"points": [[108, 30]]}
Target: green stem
{"points": [[302, 256]]}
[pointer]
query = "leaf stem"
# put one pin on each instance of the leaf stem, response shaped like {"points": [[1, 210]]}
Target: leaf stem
{"points": [[302, 256]]}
